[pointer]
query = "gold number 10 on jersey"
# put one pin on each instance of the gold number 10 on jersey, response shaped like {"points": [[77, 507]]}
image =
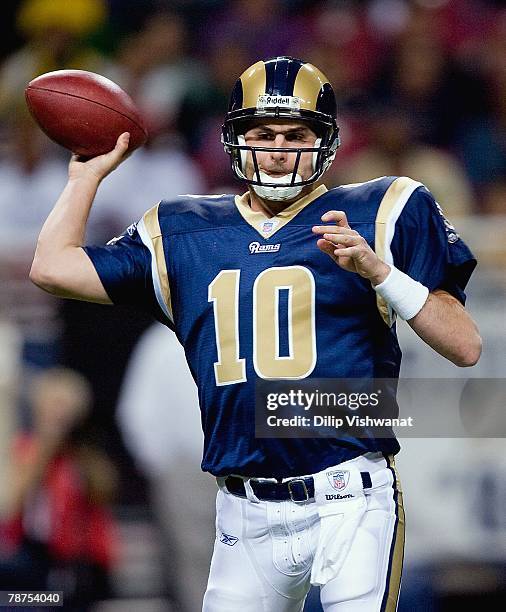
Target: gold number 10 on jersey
{"points": [[224, 293]]}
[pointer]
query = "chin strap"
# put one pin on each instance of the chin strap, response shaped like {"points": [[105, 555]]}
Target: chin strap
{"points": [[285, 191]]}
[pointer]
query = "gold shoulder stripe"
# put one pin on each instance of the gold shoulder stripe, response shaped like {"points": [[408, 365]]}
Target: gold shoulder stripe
{"points": [[396, 195], [392, 196], [153, 228]]}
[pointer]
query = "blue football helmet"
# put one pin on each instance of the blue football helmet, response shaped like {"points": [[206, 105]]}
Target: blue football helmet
{"points": [[281, 88]]}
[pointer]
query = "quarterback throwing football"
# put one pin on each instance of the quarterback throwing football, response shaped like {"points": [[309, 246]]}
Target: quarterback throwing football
{"points": [[344, 263]]}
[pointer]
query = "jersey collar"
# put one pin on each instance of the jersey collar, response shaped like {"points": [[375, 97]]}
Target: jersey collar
{"points": [[268, 226]]}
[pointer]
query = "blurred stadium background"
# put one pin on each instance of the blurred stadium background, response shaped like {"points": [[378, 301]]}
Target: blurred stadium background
{"points": [[421, 88]]}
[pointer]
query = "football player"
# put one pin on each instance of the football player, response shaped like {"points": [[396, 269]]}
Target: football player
{"points": [[289, 281]]}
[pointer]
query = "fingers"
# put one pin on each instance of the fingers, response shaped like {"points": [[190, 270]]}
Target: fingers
{"points": [[325, 246], [122, 143], [334, 238], [345, 240], [120, 151], [120, 148], [341, 224], [340, 242], [336, 216], [333, 229], [336, 251], [345, 246], [351, 251]]}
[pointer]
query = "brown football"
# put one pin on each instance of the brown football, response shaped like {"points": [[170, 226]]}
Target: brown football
{"points": [[83, 111]]}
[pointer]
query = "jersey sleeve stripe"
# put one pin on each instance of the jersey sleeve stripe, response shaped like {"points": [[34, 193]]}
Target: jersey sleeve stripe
{"points": [[390, 208], [151, 235]]}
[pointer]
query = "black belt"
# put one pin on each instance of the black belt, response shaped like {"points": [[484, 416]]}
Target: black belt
{"points": [[296, 489]]}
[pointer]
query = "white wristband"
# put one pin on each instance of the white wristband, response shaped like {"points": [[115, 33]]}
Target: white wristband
{"points": [[404, 294]]}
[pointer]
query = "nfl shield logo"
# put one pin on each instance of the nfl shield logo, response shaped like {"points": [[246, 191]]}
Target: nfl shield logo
{"points": [[267, 226], [339, 479]]}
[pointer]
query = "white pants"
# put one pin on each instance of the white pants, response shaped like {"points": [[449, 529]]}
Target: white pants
{"points": [[264, 551]]}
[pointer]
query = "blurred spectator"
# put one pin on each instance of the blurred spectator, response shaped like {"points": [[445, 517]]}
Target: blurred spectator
{"points": [[54, 31], [344, 47], [160, 170], [482, 139], [32, 172], [388, 18], [264, 28], [9, 37], [202, 111], [31, 175], [459, 26], [394, 150], [422, 78], [166, 440], [153, 65], [9, 374], [467, 532], [58, 532], [493, 201]]}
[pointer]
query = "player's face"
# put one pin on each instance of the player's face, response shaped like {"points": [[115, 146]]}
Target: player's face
{"points": [[280, 135]]}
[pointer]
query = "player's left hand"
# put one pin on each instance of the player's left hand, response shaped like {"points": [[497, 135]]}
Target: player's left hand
{"points": [[348, 248]]}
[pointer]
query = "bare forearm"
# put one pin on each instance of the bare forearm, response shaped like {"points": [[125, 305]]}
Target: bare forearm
{"points": [[66, 225], [441, 320], [444, 325], [60, 265]]}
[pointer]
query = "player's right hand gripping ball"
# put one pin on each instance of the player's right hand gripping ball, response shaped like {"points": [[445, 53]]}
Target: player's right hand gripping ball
{"points": [[84, 112]]}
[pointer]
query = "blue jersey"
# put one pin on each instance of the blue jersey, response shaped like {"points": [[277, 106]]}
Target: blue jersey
{"points": [[253, 297]]}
